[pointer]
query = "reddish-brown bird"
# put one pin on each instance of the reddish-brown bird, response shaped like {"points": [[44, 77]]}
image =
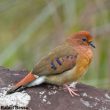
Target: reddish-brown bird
{"points": [[65, 64]]}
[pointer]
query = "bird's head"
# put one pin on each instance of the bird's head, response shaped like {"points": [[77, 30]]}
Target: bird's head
{"points": [[82, 38]]}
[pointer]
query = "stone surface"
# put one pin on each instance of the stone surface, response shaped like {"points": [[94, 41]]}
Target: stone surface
{"points": [[50, 97]]}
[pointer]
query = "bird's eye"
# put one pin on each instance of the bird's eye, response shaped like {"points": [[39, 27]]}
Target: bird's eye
{"points": [[84, 39]]}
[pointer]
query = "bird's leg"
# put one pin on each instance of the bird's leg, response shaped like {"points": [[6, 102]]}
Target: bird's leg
{"points": [[71, 90]]}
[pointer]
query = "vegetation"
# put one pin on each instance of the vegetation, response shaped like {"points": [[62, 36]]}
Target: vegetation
{"points": [[29, 29]]}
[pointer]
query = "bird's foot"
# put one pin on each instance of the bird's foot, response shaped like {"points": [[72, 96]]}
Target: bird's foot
{"points": [[71, 90]]}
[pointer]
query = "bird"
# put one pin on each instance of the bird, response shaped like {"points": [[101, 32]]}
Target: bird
{"points": [[65, 64]]}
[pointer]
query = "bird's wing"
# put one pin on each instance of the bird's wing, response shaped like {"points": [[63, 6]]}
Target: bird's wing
{"points": [[58, 61]]}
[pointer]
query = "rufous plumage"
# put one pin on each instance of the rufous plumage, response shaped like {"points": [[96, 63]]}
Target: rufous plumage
{"points": [[63, 65]]}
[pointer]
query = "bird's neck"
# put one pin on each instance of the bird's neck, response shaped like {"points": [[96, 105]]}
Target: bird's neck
{"points": [[72, 41]]}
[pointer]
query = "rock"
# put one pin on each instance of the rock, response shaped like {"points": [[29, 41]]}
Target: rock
{"points": [[51, 97]]}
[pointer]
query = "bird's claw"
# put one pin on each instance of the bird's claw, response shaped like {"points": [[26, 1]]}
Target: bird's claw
{"points": [[71, 90]]}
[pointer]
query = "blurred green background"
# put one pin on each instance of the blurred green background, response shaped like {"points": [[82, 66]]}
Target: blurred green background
{"points": [[29, 29]]}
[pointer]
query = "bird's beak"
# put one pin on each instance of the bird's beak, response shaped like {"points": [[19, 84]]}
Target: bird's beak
{"points": [[22, 84], [91, 44]]}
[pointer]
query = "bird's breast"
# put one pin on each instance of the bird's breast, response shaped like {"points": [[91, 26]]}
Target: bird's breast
{"points": [[83, 61], [85, 55]]}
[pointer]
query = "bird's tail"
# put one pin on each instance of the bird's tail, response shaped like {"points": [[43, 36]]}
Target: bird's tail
{"points": [[22, 84]]}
